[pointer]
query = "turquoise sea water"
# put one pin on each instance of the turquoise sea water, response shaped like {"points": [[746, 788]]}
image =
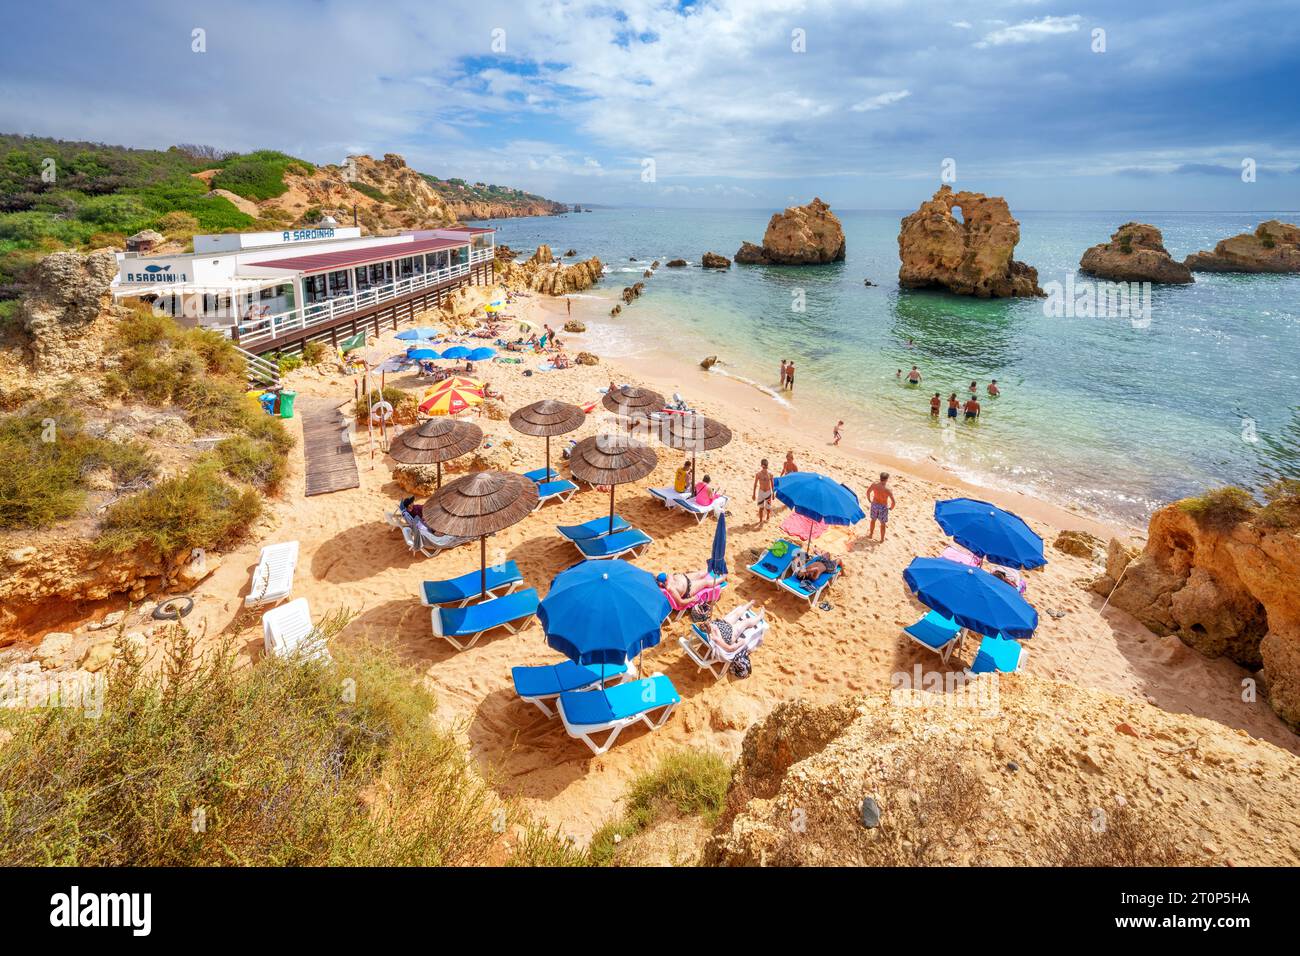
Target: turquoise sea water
{"points": [[1095, 412]]}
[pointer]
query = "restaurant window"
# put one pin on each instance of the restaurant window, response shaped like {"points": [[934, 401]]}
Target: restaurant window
{"points": [[363, 278], [459, 255], [405, 268], [438, 260], [313, 288], [339, 282]]}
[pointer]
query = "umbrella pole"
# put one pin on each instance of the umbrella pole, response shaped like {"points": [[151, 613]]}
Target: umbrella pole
{"points": [[611, 509], [548, 457], [439, 465], [482, 554]]}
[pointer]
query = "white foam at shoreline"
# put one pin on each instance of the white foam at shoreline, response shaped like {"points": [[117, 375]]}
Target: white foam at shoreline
{"points": [[716, 369]]}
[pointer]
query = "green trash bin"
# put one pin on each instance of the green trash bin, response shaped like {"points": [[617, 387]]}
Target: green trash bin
{"points": [[286, 404]]}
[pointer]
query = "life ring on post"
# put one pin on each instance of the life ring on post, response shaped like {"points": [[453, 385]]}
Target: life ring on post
{"points": [[381, 412]]}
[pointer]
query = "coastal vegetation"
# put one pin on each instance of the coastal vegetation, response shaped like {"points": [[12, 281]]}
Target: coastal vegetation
{"points": [[259, 175], [1230, 505], [288, 763]]}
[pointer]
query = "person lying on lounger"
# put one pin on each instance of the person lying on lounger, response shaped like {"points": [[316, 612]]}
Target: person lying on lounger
{"points": [[683, 584], [732, 632], [810, 568]]}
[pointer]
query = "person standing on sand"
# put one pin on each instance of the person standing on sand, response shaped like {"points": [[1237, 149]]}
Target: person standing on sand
{"points": [[763, 493], [568, 305], [934, 405], [972, 408], [789, 467], [882, 502], [783, 368], [838, 432], [914, 376], [953, 405], [994, 392]]}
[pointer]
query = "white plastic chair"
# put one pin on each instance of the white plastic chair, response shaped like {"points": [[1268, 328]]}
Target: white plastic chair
{"points": [[273, 576]]}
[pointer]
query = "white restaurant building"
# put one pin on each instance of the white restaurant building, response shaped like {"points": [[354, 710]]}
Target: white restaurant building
{"points": [[275, 291]]}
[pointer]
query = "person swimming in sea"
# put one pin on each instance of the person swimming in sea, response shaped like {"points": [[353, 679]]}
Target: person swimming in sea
{"points": [[953, 405], [994, 391], [914, 376], [972, 408], [974, 387], [934, 405]]}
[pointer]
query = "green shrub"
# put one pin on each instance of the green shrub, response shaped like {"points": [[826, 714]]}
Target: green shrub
{"points": [[211, 762], [405, 405], [287, 362], [258, 175], [688, 782], [1221, 506], [374, 192], [197, 509], [45, 456], [315, 352], [1281, 504], [253, 462]]}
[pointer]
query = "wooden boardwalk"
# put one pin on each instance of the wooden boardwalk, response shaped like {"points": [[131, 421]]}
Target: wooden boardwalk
{"points": [[331, 465]]}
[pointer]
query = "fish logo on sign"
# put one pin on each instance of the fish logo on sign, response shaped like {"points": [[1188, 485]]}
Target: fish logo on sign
{"points": [[157, 268]]}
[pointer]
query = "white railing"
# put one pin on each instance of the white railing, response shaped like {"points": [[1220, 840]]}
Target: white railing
{"points": [[481, 255], [297, 320]]}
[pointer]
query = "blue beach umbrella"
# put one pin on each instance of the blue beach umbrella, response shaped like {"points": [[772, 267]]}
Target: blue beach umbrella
{"points": [[456, 352], [819, 498], [973, 598], [603, 612], [718, 560], [422, 355], [422, 332], [987, 530], [482, 354]]}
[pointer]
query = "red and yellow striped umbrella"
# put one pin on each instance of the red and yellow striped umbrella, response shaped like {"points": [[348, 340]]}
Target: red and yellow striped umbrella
{"points": [[452, 396]]}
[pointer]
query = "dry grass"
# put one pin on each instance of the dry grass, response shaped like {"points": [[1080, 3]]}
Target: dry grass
{"points": [[1122, 837]]}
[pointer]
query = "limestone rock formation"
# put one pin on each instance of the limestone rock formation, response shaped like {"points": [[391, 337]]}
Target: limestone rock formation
{"points": [[712, 260], [1019, 782], [708, 362], [1225, 588], [66, 296], [676, 263], [1080, 544], [573, 325], [968, 256], [1273, 247], [542, 273], [799, 236], [587, 358], [1136, 253]]}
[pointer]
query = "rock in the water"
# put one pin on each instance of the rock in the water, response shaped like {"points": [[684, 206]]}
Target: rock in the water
{"points": [[1273, 247], [709, 362], [570, 252], [541, 273], [968, 256], [1136, 253], [616, 310], [573, 325], [867, 282], [799, 236], [712, 260], [676, 263], [587, 358]]}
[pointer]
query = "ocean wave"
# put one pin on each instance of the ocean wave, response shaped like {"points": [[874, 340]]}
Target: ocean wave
{"points": [[767, 390]]}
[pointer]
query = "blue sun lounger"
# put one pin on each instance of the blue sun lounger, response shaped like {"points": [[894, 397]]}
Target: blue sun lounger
{"points": [[595, 528], [810, 591], [998, 654], [612, 709], [541, 474], [936, 633], [560, 491], [771, 568], [512, 611], [501, 579], [615, 545], [542, 685]]}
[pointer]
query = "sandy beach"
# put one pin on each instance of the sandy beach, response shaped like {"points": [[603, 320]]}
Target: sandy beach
{"points": [[351, 558]]}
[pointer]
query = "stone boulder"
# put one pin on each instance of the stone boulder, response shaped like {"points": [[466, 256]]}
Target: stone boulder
{"points": [[709, 362], [1079, 544], [799, 236], [574, 326], [66, 294], [1273, 247], [587, 358], [676, 263], [1136, 253], [712, 260], [968, 256], [542, 273], [1226, 588]]}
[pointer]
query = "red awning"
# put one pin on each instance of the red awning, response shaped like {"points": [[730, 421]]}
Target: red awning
{"points": [[359, 257]]}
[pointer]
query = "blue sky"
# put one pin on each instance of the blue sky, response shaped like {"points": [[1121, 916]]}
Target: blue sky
{"points": [[738, 104]]}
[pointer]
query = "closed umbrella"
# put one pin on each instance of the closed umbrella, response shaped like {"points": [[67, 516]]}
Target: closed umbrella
{"points": [[718, 559], [970, 596], [480, 504], [434, 441], [611, 460], [987, 530], [603, 612], [546, 418]]}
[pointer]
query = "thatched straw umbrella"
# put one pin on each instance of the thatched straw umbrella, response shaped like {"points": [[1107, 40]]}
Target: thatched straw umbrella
{"points": [[480, 504], [546, 418], [435, 441], [631, 401], [694, 433], [611, 460]]}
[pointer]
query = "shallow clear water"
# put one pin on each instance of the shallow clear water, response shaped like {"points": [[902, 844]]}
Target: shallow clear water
{"points": [[1094, 412]]}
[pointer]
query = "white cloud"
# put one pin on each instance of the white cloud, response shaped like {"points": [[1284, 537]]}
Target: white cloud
{"points": [[1031, 31], [961, 24], [881, 101]]}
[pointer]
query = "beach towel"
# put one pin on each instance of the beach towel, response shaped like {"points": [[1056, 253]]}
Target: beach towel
{"points": [[546, 367]]}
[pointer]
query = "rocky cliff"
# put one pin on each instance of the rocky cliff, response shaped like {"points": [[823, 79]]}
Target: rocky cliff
{"points": [[1136, 253], [969, 256], [1040, 774], [1227, 583], [799, 236], [1273, 247], [542, 273], [67, 299]]}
